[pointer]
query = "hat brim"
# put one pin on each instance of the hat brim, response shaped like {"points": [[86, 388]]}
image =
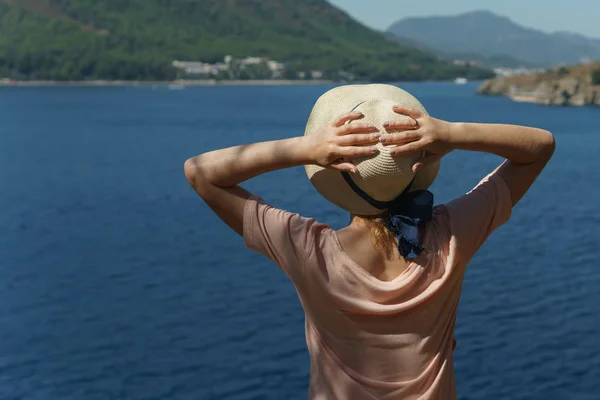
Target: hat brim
{"points": [[330, 183]]}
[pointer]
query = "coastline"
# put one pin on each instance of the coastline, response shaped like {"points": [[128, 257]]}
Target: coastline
{"points": [[571, 86], [176, 84]]}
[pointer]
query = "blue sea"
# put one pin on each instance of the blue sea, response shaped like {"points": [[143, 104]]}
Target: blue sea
{"points": [[117, 282]]}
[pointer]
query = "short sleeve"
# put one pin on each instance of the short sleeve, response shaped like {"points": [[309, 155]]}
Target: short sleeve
{"points": [[474, 216], [284, 237]]}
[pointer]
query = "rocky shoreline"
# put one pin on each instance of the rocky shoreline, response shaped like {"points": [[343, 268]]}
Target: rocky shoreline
{"points": [[562, 87]]}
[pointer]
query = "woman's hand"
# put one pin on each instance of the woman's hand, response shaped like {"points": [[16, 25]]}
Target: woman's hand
{"points": [[338, 142], [427, 134]]}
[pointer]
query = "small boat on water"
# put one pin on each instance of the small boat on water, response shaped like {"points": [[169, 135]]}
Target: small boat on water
{"points": [[176, 87], [460, 81]]}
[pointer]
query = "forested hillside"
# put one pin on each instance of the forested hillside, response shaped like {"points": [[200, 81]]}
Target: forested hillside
{"points": [[139, 39]]}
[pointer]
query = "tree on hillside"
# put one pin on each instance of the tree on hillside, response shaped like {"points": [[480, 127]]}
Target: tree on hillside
{"points": [[596, 77]]}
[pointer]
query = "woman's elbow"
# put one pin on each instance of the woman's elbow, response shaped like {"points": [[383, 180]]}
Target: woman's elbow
{"points": [[190, 168], [196, 175], [548, 145], [195, 171]]}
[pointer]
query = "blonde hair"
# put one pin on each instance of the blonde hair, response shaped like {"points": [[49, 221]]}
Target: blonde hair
{"points": [[381, 236]]}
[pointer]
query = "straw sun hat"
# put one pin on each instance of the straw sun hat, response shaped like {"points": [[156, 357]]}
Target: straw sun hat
{"points": [[381, 177]]}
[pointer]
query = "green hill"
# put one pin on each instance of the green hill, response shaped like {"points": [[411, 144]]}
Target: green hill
{"points": [[139, 39]]}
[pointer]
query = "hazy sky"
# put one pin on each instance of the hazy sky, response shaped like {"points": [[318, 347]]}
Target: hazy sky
{"points": [[580, 16]]}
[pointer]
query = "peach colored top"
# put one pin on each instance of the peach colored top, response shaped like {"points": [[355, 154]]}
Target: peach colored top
{"points": [[371, 339]]}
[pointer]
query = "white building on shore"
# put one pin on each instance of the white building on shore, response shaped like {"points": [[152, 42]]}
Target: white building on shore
{"points": [[233, 68], [200, 68]]}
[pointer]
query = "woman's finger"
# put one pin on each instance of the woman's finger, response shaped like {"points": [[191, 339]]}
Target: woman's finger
{"points": [[357, 127], [405, 124], [422, 162], [341, 120], [359, 138], [344, 166], [400, 137], [357, 151], [408, 148], [410, 112]]}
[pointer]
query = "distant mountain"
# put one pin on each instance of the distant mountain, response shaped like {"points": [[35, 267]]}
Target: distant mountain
{"points": [[488, 34], [139, 39], [491, 61]]}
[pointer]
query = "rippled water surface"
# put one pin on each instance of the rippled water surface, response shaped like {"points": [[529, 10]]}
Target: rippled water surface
{"points": [[116, 282]]}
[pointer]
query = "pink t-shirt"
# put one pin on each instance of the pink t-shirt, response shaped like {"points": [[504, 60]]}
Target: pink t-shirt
{"points": [[372, 339]]}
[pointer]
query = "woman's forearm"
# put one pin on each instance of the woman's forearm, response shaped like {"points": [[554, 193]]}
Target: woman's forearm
{"points": [[233, 165], [518, 144]]}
